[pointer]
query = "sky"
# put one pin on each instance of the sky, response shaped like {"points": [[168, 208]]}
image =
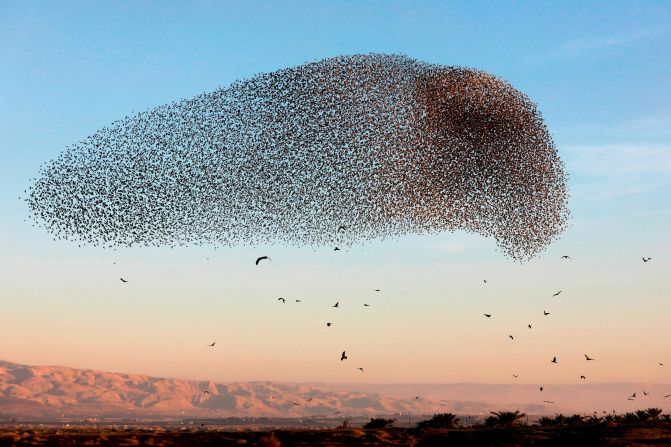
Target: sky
{"points": [[599, 73]]}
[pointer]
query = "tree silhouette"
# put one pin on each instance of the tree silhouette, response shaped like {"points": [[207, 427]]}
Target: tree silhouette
{"points": [[504, 418], [376, 423], [441, 420]]}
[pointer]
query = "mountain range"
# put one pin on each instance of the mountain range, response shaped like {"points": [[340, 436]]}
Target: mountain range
{"points": [[57, 391]]}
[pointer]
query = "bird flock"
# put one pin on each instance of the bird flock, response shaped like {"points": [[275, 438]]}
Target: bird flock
{"points": [[346, 149]]}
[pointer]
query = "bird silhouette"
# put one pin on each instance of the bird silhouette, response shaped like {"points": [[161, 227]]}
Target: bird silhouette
{"points": [[529, 326], [668, 395], [511, 337], [583, 377], [261, 259], [588, 358], [282, 299], [361, 369], [556, 293], [336, 304], [206, 392], [484, 281], [516, 375], [633, 395], [554, 360], [548, 401], [661, 364], [645, 393], [630, 398], [541, 388], [566, 257], [366, 305], [123, 280], [328, 324], [336, 249], [377, 290], [298, 301], [546, 313], [488, 315], [343, 356], [646, 259], [212, 344], [417, 397], [342, 228]]}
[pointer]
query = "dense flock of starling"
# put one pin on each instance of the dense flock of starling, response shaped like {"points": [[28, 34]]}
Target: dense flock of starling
{"points": [[346, 149]]}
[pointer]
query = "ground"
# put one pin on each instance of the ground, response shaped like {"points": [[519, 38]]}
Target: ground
{"points": [[602, 435]]}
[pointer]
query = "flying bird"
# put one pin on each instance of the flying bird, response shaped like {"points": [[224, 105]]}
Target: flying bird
{"points": [[554, 360], [529, 326], [511, 337], [633, 395], [488, 315], [548, 401], [298, 301], [485, 281], [377, 290], [541, 388], [661, 364], [212, 344], [668, 395], [366, 305], [557, 293], [206, 392], [588, 358], [583, 377], [336, 304], [328, 324], [566, 257], [645, 393], [336, 249], [343, 356], [341, 228], [123, 280], [630, 398], [417, 397], [361, 369], [546, 313], [282, 299], [261, 259], [516, 375], [646, 259]]}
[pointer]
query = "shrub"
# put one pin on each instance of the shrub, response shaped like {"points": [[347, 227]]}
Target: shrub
{"points": [[376, 423]]}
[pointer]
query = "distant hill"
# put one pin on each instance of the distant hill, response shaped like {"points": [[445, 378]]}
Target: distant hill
{"points": [[52, 391]]}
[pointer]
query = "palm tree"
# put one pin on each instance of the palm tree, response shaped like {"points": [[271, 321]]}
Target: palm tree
{"points": [[654, 413], [441, 420], [507, 418], [643, 415]]}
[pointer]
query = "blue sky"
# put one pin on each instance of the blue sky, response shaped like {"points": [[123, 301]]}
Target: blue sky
{"points": [[599, 72]]}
